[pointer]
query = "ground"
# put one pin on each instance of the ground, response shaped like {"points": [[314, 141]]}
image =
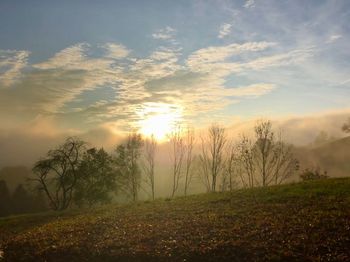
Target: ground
{"points": [[307, 221]]}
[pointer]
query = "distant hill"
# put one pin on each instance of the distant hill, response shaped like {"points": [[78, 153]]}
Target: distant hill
{"points": [[15, 175], [333, 157]]}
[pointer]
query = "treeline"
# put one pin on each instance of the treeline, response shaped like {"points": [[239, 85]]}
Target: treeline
{"points": [[20, 201], [260, 160], [74, 174]]}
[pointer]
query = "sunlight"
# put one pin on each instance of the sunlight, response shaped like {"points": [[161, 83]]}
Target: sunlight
{"points": [[159, 119]]}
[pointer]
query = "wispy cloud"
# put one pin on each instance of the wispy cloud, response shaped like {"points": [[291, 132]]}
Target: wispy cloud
{"points": [[214, 62], [165, 33], [347, 81], [116, 51], [60, 79], [225, 29], [74, 58], [216, 57], [197, 85], [333, 38], [11, 64], [220, 53], [288, 58], [299, 129], [254, 90], [249, 3]]}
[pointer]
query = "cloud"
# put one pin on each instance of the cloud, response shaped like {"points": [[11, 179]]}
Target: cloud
{"points": [[249, 4], [299, 130], [116, 51], [333, 38], [11, 64], [30, 141], [160, 78], [200, 93], [204, 60], [128, 94], [47, 87], [254, 90], [85, 89], [345, 82], [164, 34], [69, 58], [159, 64], [75, 58], [102, 90], [225, 29], [288, 58]]}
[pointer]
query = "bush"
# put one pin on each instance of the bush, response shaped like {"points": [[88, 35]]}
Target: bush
{"points": [[313, 174]]}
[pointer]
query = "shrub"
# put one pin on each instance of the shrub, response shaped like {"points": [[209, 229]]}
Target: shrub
{"points": [[313, 174]]}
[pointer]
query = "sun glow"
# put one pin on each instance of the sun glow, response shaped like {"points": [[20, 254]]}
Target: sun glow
{"points": [[159, 120]]}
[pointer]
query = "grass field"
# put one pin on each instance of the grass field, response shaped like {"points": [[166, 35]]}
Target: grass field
{"points": [[307, 221]]}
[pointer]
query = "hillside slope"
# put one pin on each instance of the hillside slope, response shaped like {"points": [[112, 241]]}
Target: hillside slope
{"points": [[305, 221]]}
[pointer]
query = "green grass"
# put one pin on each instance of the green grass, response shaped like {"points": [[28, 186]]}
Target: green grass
{"points": [[307, 221]]}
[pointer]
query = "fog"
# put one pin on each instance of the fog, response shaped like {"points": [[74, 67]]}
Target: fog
{"points": [[24, 145]]}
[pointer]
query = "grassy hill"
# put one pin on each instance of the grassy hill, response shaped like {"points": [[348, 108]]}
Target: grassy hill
{"points": [[307, 221]]}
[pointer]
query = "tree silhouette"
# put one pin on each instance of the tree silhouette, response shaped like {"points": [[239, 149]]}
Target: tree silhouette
{"points": [[96, 179], [177, 157], [21, 200], [148, 166], [57, 175], [5, 199], [189, 145], [212, 155], [127, 162]]}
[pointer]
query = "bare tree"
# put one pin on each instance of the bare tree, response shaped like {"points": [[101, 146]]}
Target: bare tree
{"points": [[149, 156], [189, 144], [274, 159], [212, 157], [57, 173], [264, 150], [177, 156], [127, 162], [204, 165], [246, 161], [284, 162], [230, 167], [133, 146]]}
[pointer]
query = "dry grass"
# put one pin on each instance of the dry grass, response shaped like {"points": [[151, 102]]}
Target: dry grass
{"points": [[305, 221]]}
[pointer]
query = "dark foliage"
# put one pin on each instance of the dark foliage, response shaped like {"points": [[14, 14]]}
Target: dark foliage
{"points": [[313, 174], [57, 174], [96, 179], [5, 199], [21, 201]]}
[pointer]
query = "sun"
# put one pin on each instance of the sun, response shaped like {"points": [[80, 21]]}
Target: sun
{"points": [[159, 126], [159, 120]]}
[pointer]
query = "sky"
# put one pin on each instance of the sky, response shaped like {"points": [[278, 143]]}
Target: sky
{"points": [[100, 69]]}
